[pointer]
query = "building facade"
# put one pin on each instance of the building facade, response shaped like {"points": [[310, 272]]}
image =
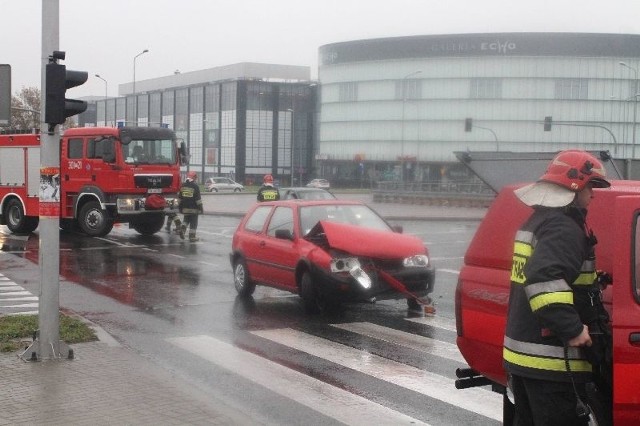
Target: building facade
{"points": [[243, 120], [398, 108]]}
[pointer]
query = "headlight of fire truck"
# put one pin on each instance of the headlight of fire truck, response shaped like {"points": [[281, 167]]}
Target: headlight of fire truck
{"points": [[416, 261], [128, 205]]}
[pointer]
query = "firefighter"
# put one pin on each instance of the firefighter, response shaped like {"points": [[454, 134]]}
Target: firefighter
{"points": [[267, 191], [190, 206], [173, 218], [554, 298]]}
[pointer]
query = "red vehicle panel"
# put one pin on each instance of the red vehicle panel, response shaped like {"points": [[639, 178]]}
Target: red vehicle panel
{"points": [[98, 183]]}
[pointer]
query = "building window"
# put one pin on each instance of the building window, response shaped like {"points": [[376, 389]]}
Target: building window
{"points": [[486, 88], [572, 88], [408, 89], [348, 92]]}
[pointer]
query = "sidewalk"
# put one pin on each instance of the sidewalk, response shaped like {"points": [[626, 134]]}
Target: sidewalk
{"points": [[110, 384]]}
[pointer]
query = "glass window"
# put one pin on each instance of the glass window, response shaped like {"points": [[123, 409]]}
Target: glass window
{"points": [[636, 261], [282, 219], [348, 92], [96, 149], [149, 151], [409, 89], [74, 148], [256, 222], [572, 88], [486, 88]]}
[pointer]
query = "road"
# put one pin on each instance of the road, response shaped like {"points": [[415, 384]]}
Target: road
{"points": [[174, 303]]}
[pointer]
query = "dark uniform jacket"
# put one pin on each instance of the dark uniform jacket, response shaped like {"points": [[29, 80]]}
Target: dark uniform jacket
{"points": [[189, 197], [268, 193], [553, 268]]}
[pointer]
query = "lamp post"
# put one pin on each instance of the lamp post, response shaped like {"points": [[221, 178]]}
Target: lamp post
{"points": [[635, 107], [135, 99], [106, 95], [404, 101], [293, 133]]}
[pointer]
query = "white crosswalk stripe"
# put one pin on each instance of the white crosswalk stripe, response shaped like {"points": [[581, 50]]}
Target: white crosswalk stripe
{"points": [[316, 394], [327, 399], [15, 300], [480, 401]]}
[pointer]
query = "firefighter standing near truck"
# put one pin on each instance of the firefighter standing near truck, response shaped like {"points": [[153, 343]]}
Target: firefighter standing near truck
{"points": [[190, 206], [554, 301], [267, 191]]}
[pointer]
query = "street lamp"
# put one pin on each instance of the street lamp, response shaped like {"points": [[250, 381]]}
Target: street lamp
{"points": [[106, 95], [135, 99], [404, 99], [293, 133], [635, 107]]}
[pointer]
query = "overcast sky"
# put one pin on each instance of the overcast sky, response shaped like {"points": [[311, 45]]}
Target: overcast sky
{"points": [[103, 36]]}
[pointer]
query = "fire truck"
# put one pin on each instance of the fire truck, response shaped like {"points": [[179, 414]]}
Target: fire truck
{"points": [[106, 176]]}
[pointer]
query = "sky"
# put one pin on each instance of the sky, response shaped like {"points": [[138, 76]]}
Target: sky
{"points": [[103, 36]]}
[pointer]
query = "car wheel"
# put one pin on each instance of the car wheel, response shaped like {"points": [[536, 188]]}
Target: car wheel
{"points": [[237, 190], [241, 279], [313, 301], [16, 220], [94, 221]]}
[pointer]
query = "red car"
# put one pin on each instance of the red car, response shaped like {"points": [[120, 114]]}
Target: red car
{"points": [[328, 252]]}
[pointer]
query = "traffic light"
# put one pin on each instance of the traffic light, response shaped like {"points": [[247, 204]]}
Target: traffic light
{"points": [[58, 80], [468, 124], [547, 124]]}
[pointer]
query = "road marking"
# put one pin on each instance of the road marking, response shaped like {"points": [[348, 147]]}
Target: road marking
{"points": [[480, 401], [435, 321], [329, 400], [407, 340], [22, 305]]}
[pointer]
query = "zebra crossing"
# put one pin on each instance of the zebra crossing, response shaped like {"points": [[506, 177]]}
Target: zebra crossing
{"points": [[336, 402], [15, 300]]}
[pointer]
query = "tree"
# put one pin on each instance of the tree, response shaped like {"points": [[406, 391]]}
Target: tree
{"points": [[25, 109]]}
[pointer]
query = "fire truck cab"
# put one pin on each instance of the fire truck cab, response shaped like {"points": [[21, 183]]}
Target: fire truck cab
{"points": [[106, 176]]}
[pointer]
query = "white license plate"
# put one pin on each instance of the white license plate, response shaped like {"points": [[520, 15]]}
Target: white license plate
{"points": [[154, 191]]}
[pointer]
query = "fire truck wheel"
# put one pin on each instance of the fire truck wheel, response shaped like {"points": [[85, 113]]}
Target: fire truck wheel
{"points": [[94, 221], [151, 224], [17, 222]]}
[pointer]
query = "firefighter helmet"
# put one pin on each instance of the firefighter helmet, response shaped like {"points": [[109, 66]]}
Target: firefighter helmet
{"points": [[573, 169], [268, 179], [192, 175], [567, 174]]}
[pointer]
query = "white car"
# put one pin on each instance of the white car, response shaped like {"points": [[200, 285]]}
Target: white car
{"points": [[220, 184], [319, 183]]}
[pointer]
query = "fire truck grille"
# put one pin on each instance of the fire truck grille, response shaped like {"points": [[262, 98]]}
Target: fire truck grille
{"points": [[153, 181]]}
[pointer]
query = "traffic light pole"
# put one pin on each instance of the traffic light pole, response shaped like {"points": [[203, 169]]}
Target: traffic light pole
{"points": [[47, 344]]}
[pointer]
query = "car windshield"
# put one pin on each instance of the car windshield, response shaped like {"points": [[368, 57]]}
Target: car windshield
{"points": [[149, 151], [355, 214]]}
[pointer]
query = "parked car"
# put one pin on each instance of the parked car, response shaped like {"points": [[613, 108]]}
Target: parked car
{"points": [[328, 252], [319, 183], [304, 193], [217, 184]]}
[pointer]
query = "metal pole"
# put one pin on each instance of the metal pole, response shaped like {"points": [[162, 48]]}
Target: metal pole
{"points": [[135, 99], [292, 142], [493, 133], [404, 101], [47, 344], [635, 107], [106, 95]]}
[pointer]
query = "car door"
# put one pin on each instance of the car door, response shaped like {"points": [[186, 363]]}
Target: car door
{"points": [[225, 185], [280, 255], [626, 311]]}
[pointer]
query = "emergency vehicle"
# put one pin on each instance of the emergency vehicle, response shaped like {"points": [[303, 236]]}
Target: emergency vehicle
{"points": [[106, 176], [482, 293]]}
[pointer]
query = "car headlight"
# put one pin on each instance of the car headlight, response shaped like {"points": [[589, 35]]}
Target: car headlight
{"points": [[352, 266], [416, 261]]}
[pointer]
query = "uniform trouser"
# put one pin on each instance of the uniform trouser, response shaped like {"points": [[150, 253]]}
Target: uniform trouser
{"points": [[191, 221], [546, 403]]}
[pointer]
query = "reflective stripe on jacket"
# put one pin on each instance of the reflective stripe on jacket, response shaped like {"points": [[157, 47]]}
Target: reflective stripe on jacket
{"points": [[551, 250], [189, 198]]}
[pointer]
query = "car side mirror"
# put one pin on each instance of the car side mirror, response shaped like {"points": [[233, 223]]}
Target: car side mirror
{"points": [[284, 234], [398, 229]]}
